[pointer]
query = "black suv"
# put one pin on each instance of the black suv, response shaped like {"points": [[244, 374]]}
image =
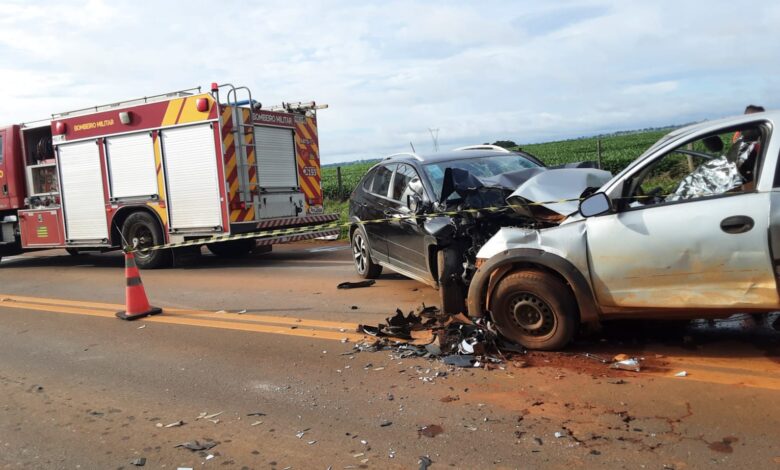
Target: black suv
{"points": [[434, 250]]}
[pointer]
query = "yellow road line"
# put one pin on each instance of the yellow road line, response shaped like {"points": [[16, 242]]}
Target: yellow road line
{"points": [[195, 313], [748, 371], [253, 323]]}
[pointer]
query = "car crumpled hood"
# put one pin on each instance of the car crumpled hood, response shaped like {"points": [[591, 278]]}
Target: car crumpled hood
{"points": [[557, 184]]}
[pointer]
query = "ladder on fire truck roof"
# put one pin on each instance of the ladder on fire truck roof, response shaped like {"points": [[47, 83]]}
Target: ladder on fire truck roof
{"points": [[132, 102], [240, 131]]}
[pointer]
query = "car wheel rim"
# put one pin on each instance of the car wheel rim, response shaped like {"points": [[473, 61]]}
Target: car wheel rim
{"points": [[532, 315], [141, 237], [360, 254]]}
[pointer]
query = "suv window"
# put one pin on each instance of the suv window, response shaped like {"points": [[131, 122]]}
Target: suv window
{"points": [[404, 183], [368, 179], [724, 163], [382, 177]]}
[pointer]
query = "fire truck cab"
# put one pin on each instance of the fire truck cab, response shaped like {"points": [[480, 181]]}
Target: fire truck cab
{"points": [[162, 169]]}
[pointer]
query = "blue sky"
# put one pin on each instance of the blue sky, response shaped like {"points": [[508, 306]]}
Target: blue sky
{"points": [[528, 71]]}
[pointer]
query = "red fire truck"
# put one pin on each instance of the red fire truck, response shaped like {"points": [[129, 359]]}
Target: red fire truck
{"points": [[161, 169]]}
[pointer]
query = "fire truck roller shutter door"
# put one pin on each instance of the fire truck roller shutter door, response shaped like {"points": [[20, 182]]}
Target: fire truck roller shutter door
{"points": [[276, 165], [82, 191], [131, 163], [193, 182]]}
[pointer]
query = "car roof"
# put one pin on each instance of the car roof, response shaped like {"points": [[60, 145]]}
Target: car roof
{"points": [[457, 154]]}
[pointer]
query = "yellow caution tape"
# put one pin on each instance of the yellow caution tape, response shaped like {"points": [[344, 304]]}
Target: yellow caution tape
{"points": [[335, 225]]}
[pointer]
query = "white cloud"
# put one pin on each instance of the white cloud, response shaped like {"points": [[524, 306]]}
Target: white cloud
{"points": [[526, 71]]}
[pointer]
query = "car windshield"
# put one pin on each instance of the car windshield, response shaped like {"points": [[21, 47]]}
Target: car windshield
{"points": [[481, 167]]}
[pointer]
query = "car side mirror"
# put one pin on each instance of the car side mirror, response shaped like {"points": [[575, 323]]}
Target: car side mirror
{"points": [[414, 203], [595, 204]]}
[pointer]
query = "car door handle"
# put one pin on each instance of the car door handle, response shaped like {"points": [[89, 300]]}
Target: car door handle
{"points": [[737, 224]]}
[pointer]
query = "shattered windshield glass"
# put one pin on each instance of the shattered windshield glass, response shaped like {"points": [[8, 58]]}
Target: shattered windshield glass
{"points": [[481, 167]]}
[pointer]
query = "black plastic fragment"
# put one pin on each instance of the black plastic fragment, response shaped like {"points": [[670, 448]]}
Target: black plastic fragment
{"points": [[356, 285], [425, 462], [459, 360]]}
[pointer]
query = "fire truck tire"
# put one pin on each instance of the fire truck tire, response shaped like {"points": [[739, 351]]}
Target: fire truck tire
{"points": [[142, 230], [233, 248], [452, 292]]}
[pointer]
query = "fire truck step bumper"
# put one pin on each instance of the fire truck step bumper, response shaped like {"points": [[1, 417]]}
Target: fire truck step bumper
{"points": [[298, 237], [282, 222]]}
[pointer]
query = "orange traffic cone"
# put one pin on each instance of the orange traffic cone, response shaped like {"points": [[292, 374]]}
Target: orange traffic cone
{"points": [[136, 303]]}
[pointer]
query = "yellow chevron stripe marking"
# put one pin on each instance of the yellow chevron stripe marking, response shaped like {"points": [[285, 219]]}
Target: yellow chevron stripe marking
{"points": [[226, 113], [227, 140], [172, 112], [190, 112]]}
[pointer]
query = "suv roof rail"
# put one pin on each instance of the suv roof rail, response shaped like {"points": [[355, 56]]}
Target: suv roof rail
{"points": [[483, 147], [404, 154]]}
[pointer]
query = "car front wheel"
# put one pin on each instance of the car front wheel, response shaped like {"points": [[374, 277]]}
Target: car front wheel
{"points": [[361, 254], [535, 309]]}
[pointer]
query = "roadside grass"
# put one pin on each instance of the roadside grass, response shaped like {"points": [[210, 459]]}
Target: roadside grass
{"points": [[340, 207]]}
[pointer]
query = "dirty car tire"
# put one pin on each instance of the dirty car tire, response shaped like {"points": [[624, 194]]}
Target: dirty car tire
{"points": [[452, 292], [361, 255], [143, 228], [535, 309], [233, 248]]}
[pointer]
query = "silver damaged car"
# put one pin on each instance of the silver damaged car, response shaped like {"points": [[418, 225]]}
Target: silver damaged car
{"points": [[690, 229]]}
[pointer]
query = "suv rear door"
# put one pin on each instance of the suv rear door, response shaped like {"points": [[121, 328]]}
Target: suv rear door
{"points": [[405, 237], [373, 205]]}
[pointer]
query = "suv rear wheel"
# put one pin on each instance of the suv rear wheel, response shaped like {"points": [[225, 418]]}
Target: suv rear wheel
{"points": [[535, 309], [364, 265]]}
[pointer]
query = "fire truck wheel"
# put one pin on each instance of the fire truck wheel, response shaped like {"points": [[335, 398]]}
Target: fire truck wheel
{"points": [[233, 248], [452, 292], [142, 231]]}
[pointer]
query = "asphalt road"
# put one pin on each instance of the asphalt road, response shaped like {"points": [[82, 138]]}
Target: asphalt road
{"points": [[265, 343]]}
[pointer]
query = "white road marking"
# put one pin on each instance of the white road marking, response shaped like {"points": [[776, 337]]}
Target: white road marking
{"points": [[328, 248]]}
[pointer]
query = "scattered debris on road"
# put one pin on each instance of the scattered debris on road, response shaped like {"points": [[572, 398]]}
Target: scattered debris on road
{"points": [[431, 430], [457, 339], [356, 285], [197, 445], [205, 415], [171, 425], [256, 413], [681, 374], [425, 462], [631, 364], [139, 462]]}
